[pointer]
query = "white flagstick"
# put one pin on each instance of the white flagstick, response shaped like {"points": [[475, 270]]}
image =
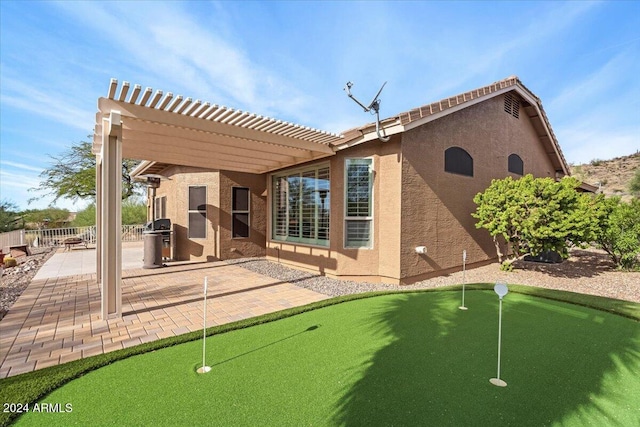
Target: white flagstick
{"points": [[500, 289], [204, 369], [464, 261]]}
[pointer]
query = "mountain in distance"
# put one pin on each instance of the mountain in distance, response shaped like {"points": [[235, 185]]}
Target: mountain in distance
{"points": [[613, 176]]}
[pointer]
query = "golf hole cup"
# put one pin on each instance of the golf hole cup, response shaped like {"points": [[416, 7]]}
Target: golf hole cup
{"points": [[502, 290]]}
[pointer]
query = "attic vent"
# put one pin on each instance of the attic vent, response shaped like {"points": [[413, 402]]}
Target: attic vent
{"points": [[512, 105]]}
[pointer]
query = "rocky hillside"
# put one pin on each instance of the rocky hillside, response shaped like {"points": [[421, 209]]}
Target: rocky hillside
{"points": [[613, 176]]}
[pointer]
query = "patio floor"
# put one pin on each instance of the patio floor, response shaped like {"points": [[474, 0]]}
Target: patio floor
{"points": [[57, 319]]}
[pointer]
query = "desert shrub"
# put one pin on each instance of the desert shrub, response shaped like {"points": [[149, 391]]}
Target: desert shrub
{"points": [[619, 233]]}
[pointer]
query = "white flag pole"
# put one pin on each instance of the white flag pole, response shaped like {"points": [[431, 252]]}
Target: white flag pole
{"points": [[500, 289], [204, 369], [464, 281]]}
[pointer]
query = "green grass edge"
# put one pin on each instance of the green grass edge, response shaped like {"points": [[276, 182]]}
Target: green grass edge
{"points": [[32, 386]]}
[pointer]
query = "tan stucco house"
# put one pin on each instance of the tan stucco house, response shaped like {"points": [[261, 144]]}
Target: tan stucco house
{"points": [[395, 211]]}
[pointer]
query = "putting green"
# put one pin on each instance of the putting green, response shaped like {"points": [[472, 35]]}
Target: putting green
{"points": [[401, 359]]}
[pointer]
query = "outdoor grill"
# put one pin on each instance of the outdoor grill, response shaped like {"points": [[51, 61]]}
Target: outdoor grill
{"points": [[157, 242]]}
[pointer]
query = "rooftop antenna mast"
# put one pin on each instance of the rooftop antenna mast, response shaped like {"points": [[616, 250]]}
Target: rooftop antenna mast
{"points": [[373, 105]]}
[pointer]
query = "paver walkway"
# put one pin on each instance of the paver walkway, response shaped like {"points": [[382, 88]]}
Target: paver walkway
{"points": [[57, 319]]}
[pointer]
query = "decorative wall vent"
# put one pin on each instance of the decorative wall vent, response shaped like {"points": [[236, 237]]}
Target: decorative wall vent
{"points": [[512, 105]]}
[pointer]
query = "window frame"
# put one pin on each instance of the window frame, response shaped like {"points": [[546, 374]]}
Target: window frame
{"points": [[299, 240], [240, 211], [370, 217], [202, 212]]}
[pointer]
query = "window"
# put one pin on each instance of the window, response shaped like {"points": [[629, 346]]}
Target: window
{"points": [[161, 207], [240, 212], [512, 105], [516, 165], [457, 160], [198, 212], [358, 203], [301, 206]]}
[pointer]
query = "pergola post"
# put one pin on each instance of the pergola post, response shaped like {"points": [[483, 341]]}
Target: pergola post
{"points": [[99, 216], [111, 217]]}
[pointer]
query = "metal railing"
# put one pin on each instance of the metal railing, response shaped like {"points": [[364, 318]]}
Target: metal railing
{"points": [[56, 236]]}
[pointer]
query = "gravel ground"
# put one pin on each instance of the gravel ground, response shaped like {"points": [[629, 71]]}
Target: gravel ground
{"points": [[16, 279], [586, 271]]}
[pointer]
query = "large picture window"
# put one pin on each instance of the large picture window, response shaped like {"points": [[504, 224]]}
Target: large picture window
{"points": [[301, 206], [358, 229], [198, 212], [240, 212]]}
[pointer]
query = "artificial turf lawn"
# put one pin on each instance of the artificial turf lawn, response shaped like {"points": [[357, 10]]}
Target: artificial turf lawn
{"points": [[401, 359]]}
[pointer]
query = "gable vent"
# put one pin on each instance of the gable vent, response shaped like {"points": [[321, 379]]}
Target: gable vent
{"points": [[512, 105]]}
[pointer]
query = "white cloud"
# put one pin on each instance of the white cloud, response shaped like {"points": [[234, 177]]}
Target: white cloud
{"points": [[20, 166], [51, 104]]}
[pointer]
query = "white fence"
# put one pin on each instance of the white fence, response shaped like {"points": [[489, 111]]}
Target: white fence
{"points": [[12, 238], [56, 236]]}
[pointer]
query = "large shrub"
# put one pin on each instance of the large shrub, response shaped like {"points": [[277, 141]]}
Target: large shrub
{"points": [[619, 231], [536, 214]]}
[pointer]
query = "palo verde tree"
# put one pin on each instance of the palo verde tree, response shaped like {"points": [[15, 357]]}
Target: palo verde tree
{"points": [[536, 214], [72, 175]]}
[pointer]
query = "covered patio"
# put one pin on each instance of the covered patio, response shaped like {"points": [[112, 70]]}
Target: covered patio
{"points": [[153, 126]]}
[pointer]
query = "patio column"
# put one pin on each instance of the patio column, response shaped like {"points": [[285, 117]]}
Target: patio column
{"points": [[111, 224], [99, 214]]}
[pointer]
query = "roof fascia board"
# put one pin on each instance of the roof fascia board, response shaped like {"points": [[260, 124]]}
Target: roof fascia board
{"points": [[141, 168], [371, 135]]}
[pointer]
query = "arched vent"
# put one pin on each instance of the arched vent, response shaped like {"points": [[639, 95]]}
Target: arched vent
{"points": [[457, 160], [516, 165], [512, 105]]}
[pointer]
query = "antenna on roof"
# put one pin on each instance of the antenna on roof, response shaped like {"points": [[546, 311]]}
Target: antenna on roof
{"points": [[373, 105]]}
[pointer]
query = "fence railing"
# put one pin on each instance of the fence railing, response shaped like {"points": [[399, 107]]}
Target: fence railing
{"points": [[56, 236], [12, 238]]}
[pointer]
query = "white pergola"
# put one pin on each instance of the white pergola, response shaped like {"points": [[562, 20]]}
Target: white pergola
{"points": [[163, 128]]}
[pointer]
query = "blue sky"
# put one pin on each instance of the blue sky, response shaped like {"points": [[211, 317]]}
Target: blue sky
{"points": [[290, 60]]}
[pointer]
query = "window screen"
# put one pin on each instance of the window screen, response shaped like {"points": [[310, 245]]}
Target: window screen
{"points": [[458, 161], [516, 165], [240, 212], [197, 212]]}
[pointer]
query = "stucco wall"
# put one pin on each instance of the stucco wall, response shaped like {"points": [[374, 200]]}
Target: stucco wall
{"points": [[176, 189], [255, 244], [437, 205]]}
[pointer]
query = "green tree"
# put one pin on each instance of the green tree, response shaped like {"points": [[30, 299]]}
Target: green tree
{"points": [[134, 211], [619, 231], [46, 218], [9, 216], [536, 214], [72, 175], [86, 217], [634, 185]]}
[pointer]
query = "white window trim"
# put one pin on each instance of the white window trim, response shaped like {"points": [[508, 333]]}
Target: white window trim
{"points": [[359, 218], [248, 211], [284, 173], [206, 213]]}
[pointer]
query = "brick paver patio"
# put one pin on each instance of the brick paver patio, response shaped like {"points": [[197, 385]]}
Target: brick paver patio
{"points": [[57, 319]]}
